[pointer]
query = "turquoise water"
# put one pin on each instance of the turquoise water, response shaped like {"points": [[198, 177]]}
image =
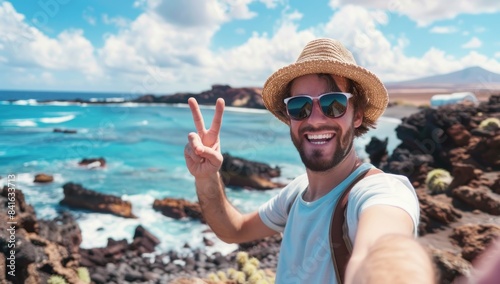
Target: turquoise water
{"points": [[143, 146]]}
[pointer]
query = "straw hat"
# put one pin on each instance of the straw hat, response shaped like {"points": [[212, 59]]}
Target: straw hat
{"points": [[331, 57]]}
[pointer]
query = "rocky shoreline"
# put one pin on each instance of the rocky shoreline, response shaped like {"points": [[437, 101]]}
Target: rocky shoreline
{"points": [[459, 213]]}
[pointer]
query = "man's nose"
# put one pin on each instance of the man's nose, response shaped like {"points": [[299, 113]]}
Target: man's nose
{"points": [[316, 113]]}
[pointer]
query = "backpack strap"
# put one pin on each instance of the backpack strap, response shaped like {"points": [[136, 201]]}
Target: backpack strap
{"points": [[340, 244]]}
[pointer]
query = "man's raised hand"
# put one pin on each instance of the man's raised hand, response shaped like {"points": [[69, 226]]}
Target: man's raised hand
{"points": [[202, 152]]}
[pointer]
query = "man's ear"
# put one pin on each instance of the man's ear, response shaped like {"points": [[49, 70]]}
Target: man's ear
{"points": [[358, 118]]}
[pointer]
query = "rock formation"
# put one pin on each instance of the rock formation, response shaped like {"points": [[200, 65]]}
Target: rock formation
{"points": [[178, 208], [75, 196], [239, 172], [458, 224], [43, 178], [41, 248], [93, 162]]}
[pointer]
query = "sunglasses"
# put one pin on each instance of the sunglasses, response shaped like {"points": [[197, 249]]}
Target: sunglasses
{"points": [[333, 105]]}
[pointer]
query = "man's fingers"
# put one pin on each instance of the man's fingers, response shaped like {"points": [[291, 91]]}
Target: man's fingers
{"points": [[197, 117], [217, 120], [195, 143], [199, 152]]}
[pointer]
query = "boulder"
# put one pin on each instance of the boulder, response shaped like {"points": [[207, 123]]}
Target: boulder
{"points": [[239, 172], [65, 131], [116, 251], [178, 208], [377, 150], [449, 265], [434, 213], [93, 162], [76, 196], [480, 198], [473, 239], [487, 152], [43, 178], [458, 134]]}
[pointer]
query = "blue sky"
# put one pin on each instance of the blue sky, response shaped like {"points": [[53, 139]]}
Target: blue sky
{"points": [[167, 46]]}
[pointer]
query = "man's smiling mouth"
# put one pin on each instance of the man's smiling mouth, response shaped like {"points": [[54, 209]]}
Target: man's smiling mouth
{"points": [[319, 139]]}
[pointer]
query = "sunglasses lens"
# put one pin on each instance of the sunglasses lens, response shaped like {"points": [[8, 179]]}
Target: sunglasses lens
{"points": [[299, 107], [333, 105]]}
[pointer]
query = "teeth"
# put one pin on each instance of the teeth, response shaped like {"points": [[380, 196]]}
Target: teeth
{"points": [[319, 136], [318, 142]]}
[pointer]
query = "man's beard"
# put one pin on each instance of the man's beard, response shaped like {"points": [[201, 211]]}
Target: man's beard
{"points": [[317, 162]]}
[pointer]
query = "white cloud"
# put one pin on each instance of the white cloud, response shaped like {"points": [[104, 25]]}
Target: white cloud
{"points": [[425, 12], [158, 53], [25, 46], [88, 17], [443, 30], [270, 4], [473, 43], [497, 54], [193, 13], [120, 22]]}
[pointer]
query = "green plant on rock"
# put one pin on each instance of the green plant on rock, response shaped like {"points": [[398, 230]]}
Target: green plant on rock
{"points": [[438, 180], [490, 124], [248, 272], [56, 279], [83, 274]]}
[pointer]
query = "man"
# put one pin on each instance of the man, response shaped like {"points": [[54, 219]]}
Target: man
{"points": [[327, 100]]}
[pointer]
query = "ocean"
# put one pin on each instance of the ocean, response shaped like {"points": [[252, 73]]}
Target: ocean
{"points": [[143, 147]]}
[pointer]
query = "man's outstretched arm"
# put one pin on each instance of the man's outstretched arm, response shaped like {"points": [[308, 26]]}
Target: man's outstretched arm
{"points": [[204, 159], [385, 250]]}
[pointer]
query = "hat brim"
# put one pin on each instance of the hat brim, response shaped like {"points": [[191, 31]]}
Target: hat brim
{"points": [[274, 91]]}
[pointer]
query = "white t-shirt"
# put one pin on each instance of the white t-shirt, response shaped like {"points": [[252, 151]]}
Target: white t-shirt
{"points": [[305, 248]]}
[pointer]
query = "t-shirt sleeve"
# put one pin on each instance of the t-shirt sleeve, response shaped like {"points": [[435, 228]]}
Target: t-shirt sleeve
{"points": [[274, 212], [382, 189]]}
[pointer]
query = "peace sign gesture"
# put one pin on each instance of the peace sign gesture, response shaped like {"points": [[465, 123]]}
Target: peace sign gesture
{"points": [[202, 152]]}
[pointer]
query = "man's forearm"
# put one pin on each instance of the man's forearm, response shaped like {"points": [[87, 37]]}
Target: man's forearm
{"points": [[220, 215], [394, 259]]}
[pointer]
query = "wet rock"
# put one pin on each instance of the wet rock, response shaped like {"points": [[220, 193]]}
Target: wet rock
{"points": [[76, 196], [248, 174], [93, 162], [178, 208], [65, 131], [43, 178]]}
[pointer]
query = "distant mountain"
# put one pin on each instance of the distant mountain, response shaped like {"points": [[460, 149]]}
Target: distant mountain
{"points": [[468, 76]]}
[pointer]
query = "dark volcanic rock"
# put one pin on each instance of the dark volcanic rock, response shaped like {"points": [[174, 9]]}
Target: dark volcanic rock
{"points": [[236, 97], [448, 137], [93, 162], [377, 150], [65, 131], [40, 249], [76, 196], [178, 208], [248, 174]]}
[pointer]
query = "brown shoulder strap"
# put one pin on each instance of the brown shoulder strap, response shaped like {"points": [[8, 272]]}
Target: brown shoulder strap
{"points": [[340, 247]]}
